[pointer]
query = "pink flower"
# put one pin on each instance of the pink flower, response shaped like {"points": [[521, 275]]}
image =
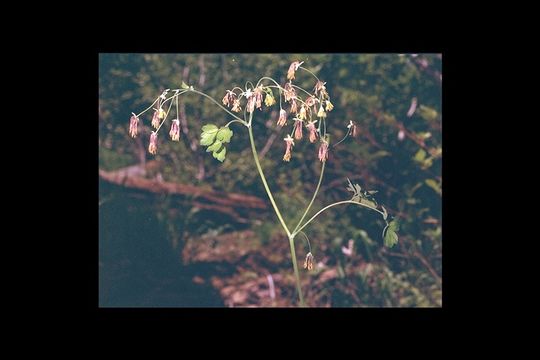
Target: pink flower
{"points": [[401, 135], [310, 101], [294, 106], [282, 121], [308, 262], [175, 130], [158, 116], [289, 92], [312, 131], [353, 128], [236, 106], [229, 98], [294, 66], [258, 94], [323, 151], [251, 104], [319, 87], [355, 131], [133, 123], [289, 143], [152, 147], [155, 119], [298, 129]]}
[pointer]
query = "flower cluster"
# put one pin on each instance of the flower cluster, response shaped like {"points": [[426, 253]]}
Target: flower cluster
{"points": [[309, 110], [158, 119]]}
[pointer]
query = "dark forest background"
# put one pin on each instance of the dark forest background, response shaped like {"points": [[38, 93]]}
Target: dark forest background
{"points": [[169, 236]]}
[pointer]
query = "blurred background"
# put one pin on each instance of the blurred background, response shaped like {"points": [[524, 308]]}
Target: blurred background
{"points": [[182, 229]]}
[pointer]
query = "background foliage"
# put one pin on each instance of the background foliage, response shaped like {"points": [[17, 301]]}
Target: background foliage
{"points": [[160, 252]]}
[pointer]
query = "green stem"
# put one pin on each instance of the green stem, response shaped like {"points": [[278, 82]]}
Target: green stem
{"points": [[312, 199], [296, 274], [218, 104], [263, 178], [332, 205], [278, 213]]}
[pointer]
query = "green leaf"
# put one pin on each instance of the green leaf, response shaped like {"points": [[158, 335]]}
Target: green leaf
{"points": [[215, 146], [390, 238], [434, 185], [393, 225], [224, 134], [420, 155], [184, 85], [221, 154], [368, 203], [207, 138], [209, 128]]}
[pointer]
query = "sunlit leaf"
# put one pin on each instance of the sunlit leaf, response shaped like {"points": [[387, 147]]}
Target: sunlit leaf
{"points": [[221, 154], [390, 238], [394, 225], [420, 155], [224, 134], [434, 185], [184, 85], [215, 146], [207, 138], [209, 128]]}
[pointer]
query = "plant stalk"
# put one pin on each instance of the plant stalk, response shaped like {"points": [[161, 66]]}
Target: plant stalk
{"points": [[278, 213]]}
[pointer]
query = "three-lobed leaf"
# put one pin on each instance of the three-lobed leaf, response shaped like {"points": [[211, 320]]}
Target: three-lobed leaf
{"points": [[216, 138]]}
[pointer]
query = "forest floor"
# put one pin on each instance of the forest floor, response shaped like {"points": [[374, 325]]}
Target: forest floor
{"points": [[249, 274]]}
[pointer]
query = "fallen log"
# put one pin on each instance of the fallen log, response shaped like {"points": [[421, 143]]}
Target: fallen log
{"points": [[201, 197]]}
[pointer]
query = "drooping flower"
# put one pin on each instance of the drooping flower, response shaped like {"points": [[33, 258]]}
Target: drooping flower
{"points": [[298, 124], [294, 106], [258, 94], [302, 113], [292, 69], [310, 101], [323, 151], [312, 131], [289, 92], [401, 135], [269, 99], [250, 106], [289, 143], [321, 112], [229, 98], [282, 121], [308, 263], [133, 125], [319, 87], [152, 147], [329, 105], [175, 130], [155, 119], [236, 106], [353, 128], [158, 116]]}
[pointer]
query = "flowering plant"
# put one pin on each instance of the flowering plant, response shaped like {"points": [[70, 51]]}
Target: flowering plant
{"points": [[306, 109]]}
